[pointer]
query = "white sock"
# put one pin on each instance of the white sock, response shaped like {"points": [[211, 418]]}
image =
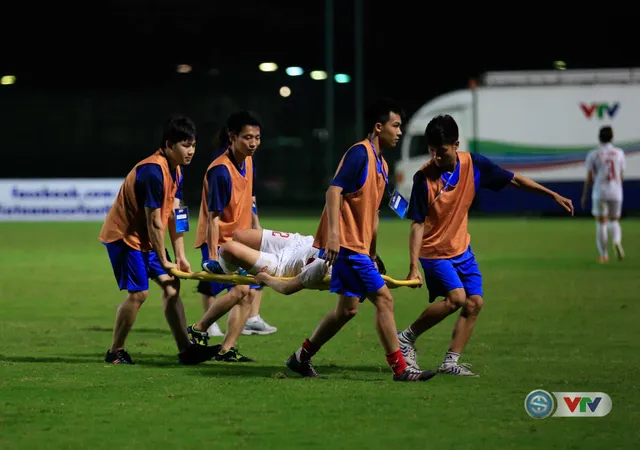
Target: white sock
{"points": [[408, 335], [451, 357], [601, 239], [253, 318], [616, 231]]}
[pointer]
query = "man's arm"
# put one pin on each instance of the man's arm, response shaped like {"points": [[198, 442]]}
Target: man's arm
{"points": [[177, 240], [333, 217], [156, 236], [417, 212], [285, 287], [525, 183], [374, 236], [495, 178], [255, 221], [219, 196], [150, 180], [415, 243], [213, 234]]}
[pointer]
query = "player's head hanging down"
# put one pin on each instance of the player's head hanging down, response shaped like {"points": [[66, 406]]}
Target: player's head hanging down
{"points": [[384, 119], [605, 135], [179, 139], [244, 132], [442, 140]]}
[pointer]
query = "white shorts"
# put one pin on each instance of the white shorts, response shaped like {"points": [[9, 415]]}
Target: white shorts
{"points": [[606, 208]]}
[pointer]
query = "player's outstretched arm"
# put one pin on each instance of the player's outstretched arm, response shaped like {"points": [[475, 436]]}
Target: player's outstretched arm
{"points": [[523, 182], [285, 287]]}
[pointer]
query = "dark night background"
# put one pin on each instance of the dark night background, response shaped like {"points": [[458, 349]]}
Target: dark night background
{"points": [[95, 81]]}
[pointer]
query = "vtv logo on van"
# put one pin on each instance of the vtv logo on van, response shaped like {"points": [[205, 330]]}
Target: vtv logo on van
{"points": [[600, 110], [582, 404]]}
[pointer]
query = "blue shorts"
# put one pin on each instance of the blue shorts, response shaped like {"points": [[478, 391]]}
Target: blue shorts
{"points": [[444, 275], [210, 288], [133, 268], [354, 275]]}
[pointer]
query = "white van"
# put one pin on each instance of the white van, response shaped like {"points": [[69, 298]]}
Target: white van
{"points": [[541, 124]]}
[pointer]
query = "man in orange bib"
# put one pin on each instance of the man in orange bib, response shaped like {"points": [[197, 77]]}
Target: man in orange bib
{"points": [[134, 232], [226, 207], [443, 190], [347, 237]]}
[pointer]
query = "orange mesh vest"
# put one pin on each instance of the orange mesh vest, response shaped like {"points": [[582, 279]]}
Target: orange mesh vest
{"points": [[445, 228], [127, 220], [237, 214], [358, 209]]}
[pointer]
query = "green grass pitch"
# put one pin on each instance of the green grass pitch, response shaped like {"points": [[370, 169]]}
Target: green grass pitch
{"points": [[553, 319]]}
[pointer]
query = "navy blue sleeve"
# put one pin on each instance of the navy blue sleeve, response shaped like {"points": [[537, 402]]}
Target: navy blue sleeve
{"points": [[419, 201], [353, 172], [180, 186], [489, 175], [219, 188], [149, 178]]}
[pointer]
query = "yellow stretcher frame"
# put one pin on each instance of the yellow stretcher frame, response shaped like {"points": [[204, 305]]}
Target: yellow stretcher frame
{"points": [[250, 280]]}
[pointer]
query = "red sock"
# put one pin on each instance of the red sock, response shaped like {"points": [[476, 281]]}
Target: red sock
{"points": [[396, 362], [307, 350]]}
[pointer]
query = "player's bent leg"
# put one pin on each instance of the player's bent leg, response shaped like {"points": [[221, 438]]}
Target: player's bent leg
{"points": [[220, 306], [252, 238], [345, 310], [174, 309], [237, 318], [234, 255], [462, 331], [125, 318], [189, 354], [386, 329], [208, 298], [438, 311]]}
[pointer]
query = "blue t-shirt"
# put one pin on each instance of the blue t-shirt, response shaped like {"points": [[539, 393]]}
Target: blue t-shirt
{"points": [[353, 173], [220, 185], [486, 175], [149, 185]]}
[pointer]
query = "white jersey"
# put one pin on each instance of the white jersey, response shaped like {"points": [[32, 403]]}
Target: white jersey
{"points": [[313, 274], [293, 258], [284, 254], [607, 163]]}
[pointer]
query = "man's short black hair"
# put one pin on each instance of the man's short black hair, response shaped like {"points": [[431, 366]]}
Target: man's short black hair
{"points": [[380, 111], [238, 120], [178, 128], [606, 134], [441, 130]]}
